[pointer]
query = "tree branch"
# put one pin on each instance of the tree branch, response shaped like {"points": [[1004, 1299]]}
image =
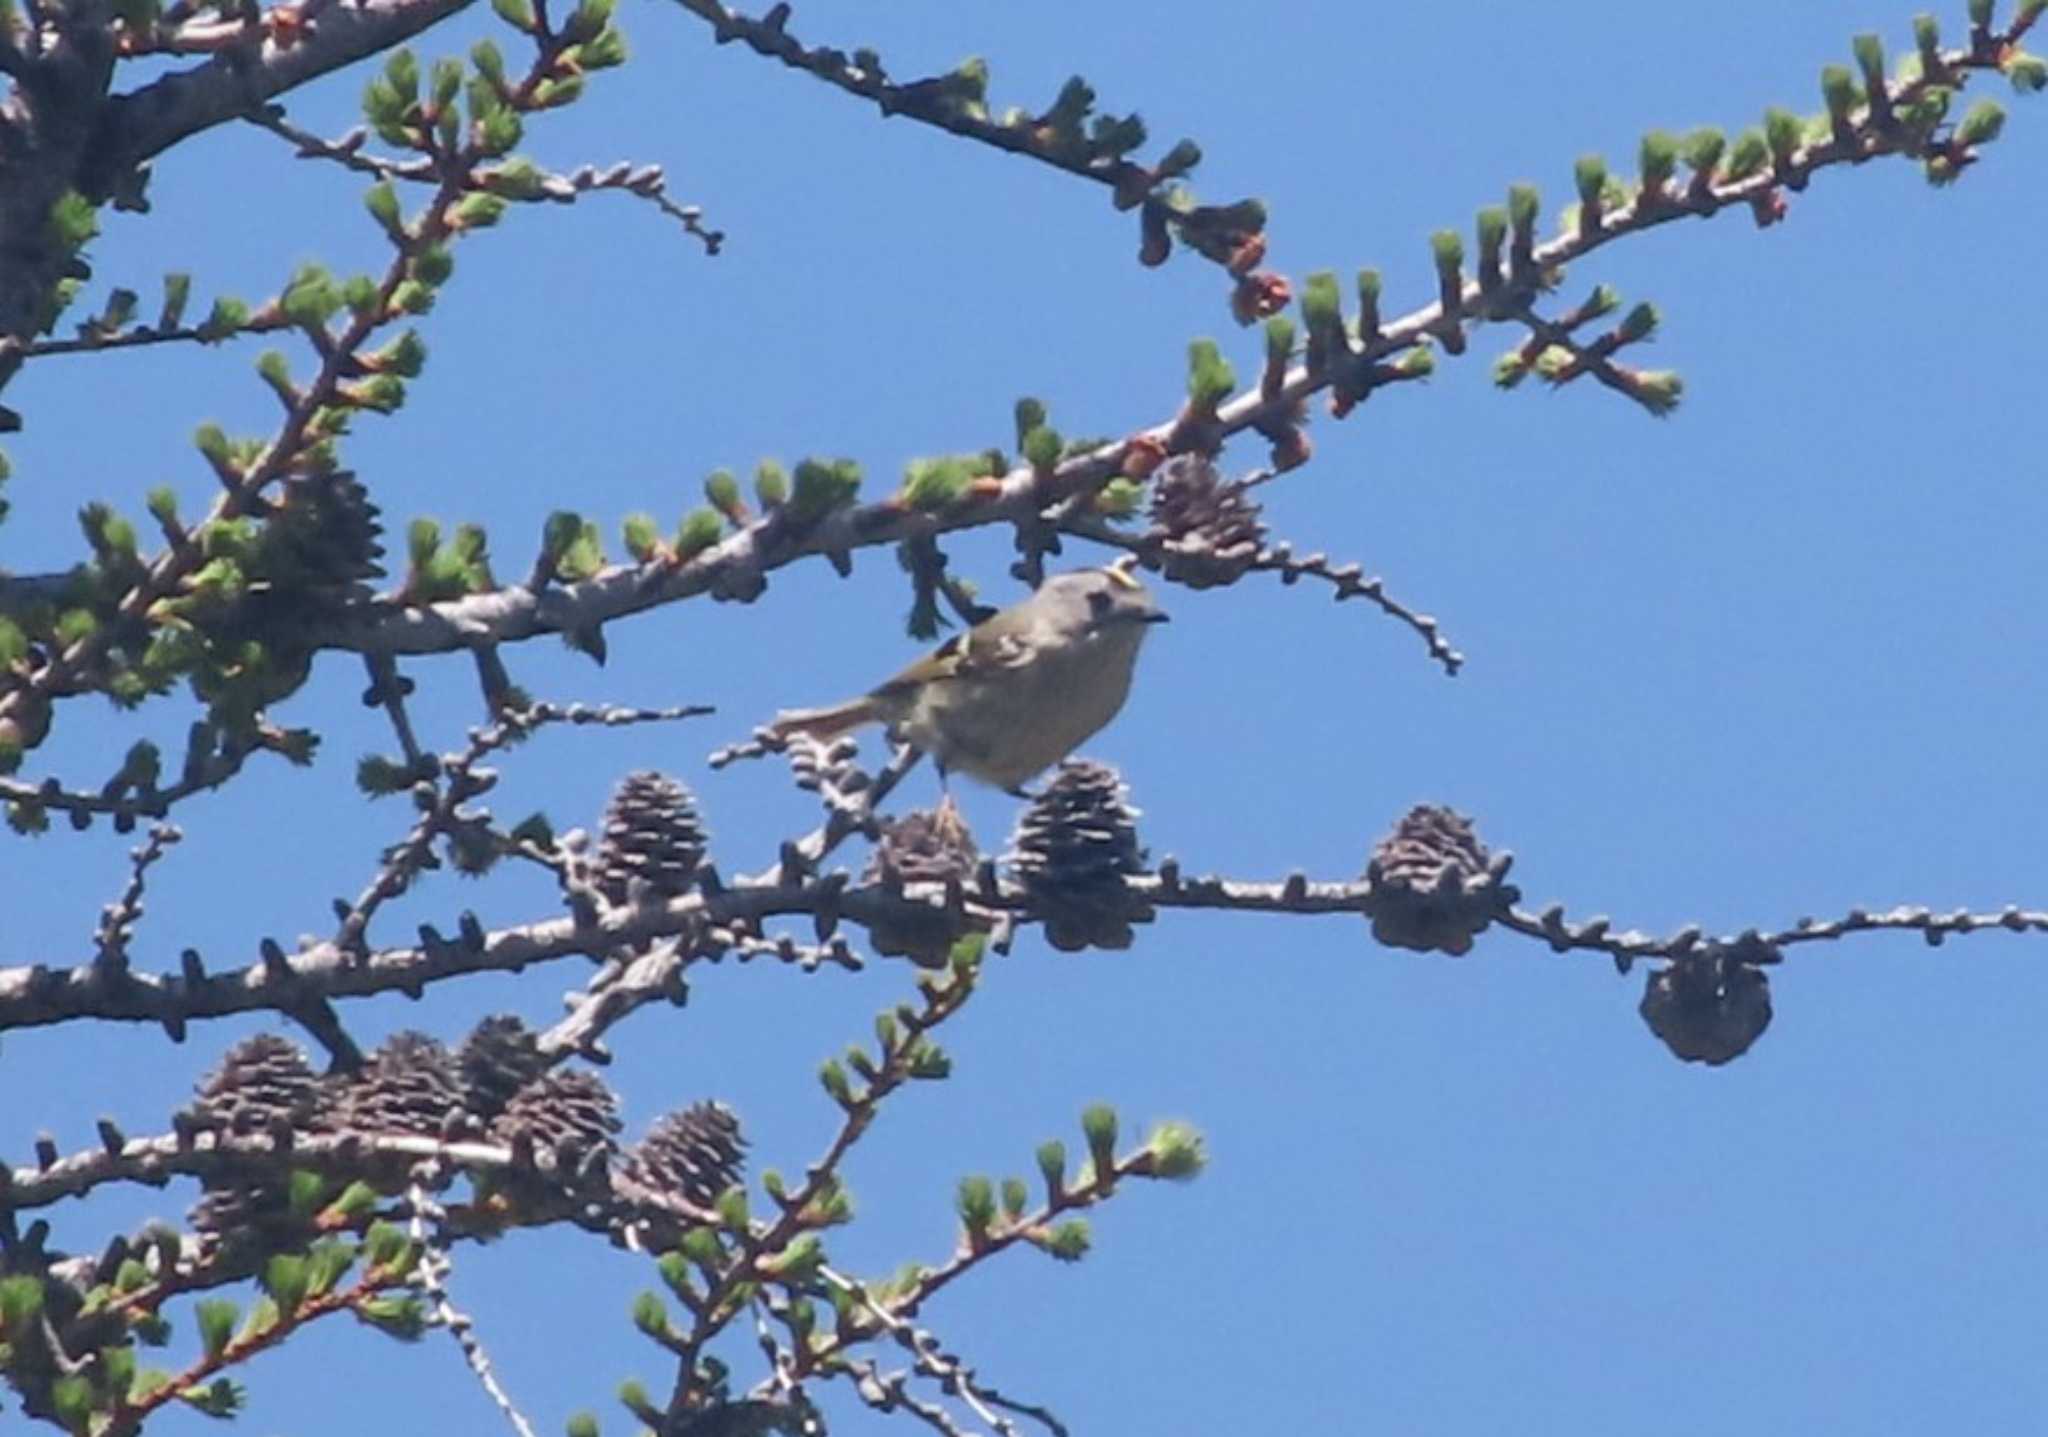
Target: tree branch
{"points": [[736, 566], [428, 1227], [118, 919], [148, 121], [154, 1161], [933, 1361], [645, 182], [906, 1058], [48, 122], [207, 766], [1347, 581], [138, 337], [955, 103], [39, 996]]}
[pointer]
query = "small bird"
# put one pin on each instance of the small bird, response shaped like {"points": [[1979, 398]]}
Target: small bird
{"points": [[1020, 690]]}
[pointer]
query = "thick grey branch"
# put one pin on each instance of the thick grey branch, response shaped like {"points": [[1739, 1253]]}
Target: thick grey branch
{"points": [[38, 996], [730, 569], [159, 1159], [47, 122], [150, 120]]}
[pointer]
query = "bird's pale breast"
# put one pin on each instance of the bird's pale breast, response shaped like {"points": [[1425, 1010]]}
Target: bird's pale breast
{"points": [[1070, 692]]}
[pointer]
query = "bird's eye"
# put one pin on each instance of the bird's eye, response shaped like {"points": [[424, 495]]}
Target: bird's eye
{"points": [[1099, 602]]}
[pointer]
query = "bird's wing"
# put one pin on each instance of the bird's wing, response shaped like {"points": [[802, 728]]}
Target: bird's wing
{"points": [[973, 654]]}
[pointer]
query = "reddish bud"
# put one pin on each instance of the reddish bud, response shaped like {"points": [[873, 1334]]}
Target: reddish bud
{"points": [[1260, 296], [1142, 454]]}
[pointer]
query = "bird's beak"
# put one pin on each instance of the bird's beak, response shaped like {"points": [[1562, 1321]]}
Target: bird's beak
{"points": [[1157, 616]]}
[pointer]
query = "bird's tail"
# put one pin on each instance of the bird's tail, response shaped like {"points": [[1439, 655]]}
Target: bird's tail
{"points": [[826, 722]]}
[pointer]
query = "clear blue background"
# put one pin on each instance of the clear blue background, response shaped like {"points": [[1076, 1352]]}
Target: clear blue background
{"points": [[1780, 654]]}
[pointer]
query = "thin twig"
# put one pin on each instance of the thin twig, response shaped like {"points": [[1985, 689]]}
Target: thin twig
{"points": [[941, 101], [1596, 935], [460, 779], [388, 690], [206, 768], [436, 1264], [924, 1345], [852, 808], [902, 1058], [645, 182], [147, 334], [888, 1391], [850, 795], [118, 919], [1032, 1410], [1348, 580], [346, 151]]}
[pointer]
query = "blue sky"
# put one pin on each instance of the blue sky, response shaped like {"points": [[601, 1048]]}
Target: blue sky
{"points": [[1776, 655]]}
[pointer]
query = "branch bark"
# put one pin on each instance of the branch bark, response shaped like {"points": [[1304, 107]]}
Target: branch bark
{"points": [[148, 121], [47, 126], [39, 996]]}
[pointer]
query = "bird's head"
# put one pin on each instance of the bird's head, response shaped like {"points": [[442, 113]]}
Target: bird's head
{"points": [[1107, 598]]}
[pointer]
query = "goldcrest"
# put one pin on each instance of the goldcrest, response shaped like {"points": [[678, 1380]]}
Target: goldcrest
{"points": [[1020, 690]]}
